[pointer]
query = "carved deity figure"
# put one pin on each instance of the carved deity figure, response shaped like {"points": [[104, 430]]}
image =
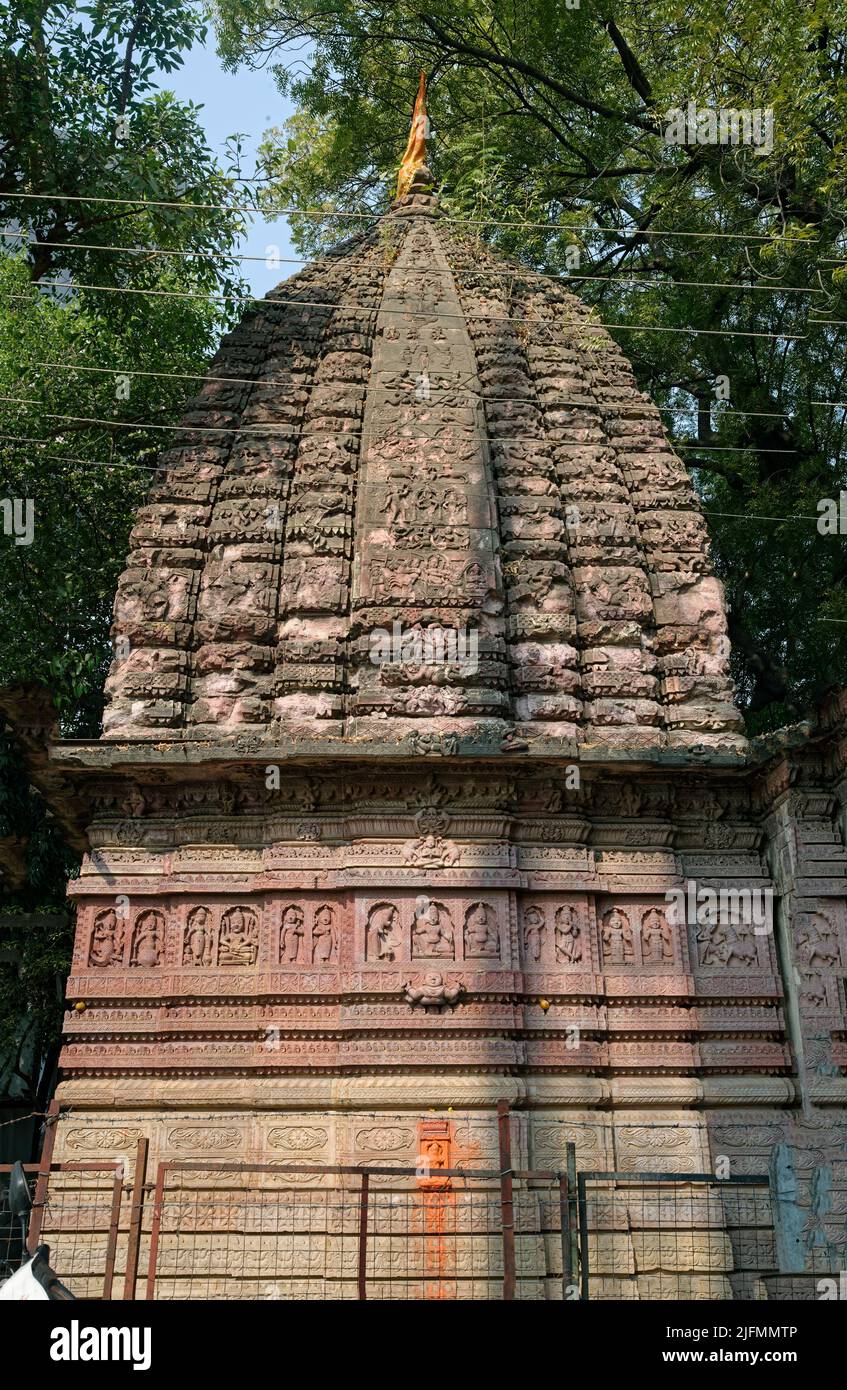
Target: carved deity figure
{"points": [[383, 941], [534, 928], [324, 935], [290, 934], [433, 993], [712, 945], [481, 935], [239, 937], [197, 949], [397, 505], [148, 938], [567, 936], [432, 933], [656, 944], [107, 940], [430, 851], [617, 938]]}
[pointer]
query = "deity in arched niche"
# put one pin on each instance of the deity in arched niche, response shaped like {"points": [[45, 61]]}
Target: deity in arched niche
{"points": [[324, 935], [432, 933], [239, 937], [656, 944], [567, 935], [383, 943], [148, 938], [197, 949], [481, 935], [534, 928], [107, 940], [290, 934], [617, 938]]}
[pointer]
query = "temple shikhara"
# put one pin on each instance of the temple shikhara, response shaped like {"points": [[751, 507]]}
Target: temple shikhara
{"points": [[340, 897]]}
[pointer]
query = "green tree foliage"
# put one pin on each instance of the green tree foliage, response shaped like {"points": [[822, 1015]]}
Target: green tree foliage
{"points": [[90, 381], [33, 954], [544, 113], [79, 117]]}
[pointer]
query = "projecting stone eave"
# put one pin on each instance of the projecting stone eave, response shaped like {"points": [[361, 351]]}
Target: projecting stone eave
{"points": [[327, 753], [62, 770]]}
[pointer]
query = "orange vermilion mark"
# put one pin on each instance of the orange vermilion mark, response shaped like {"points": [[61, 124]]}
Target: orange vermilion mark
{"points": [[437, 1210]]}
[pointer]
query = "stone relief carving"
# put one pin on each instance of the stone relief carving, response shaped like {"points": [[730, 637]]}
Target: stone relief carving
{"points": [[107, 940], [724, 938], [656, 941], [433, 992], [91, 1140], [291, 934], [197, 945], [206, 1140], [430, 852], [616, 938], [429, 742], [817, 941], [812, 990], [534, 932], [432, 931], [297, 1138], [567, 935], [384, 1140], [324, 935], [238, 943], [383, 939], [148, 938], [482, 937]]}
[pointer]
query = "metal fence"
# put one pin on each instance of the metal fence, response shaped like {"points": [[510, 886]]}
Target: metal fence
{"points": [[206, 1230], [675, 1235], [256, 1231]]}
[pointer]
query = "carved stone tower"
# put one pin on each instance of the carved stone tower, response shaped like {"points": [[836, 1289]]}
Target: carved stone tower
{"points": [[420, 708]]}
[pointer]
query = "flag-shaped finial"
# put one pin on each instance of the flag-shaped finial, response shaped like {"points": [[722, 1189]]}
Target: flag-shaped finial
{"points": [[415, 156]]}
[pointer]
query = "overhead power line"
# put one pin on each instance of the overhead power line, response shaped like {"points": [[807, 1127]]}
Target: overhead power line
{"points": [[154, 468], [324, 214], [461, 385], [585, 325], [508, 272]]}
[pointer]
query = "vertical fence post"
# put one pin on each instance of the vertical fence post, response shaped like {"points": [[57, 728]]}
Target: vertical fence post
{"points": [[363, 1235], [570, 1150], [114, 1222], [507, 1204], [584, 1268], [133, 1243], [36, 1220], [155, 1231]]}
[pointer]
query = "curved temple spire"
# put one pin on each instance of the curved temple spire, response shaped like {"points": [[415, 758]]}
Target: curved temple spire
{"points": [[415, 155]]}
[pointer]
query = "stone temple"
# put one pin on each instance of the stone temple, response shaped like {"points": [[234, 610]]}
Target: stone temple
{"points": [[420, 708]]}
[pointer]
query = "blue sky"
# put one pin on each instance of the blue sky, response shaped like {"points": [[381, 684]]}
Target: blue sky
{"points": [[247, 102]]}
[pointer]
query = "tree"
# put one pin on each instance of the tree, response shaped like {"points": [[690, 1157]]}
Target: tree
{"points": [[730, 256], [111, 303]]}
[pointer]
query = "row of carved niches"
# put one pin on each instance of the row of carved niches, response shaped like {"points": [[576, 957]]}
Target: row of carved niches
{"points": [[214, 935], [488, 929]]}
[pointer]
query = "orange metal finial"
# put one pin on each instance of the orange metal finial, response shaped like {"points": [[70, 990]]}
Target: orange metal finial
{"points": [[415, 156]]}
